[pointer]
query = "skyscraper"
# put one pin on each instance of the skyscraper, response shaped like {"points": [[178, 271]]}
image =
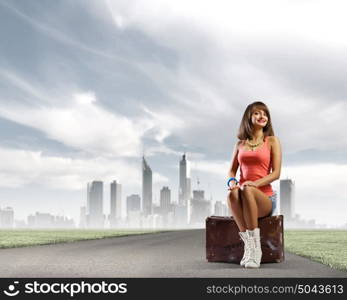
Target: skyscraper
{"points": [[95, 215], [133, 203], [6, 217], [115, 202], [287, 198], [200, 208], [134, 211], [220, 209], [183, 173], [165, 199], [146, 188]]}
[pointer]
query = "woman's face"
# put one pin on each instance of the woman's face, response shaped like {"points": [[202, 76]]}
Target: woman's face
{"points": [[259, 118]]}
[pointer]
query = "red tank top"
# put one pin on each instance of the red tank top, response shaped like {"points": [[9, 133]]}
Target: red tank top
{"points": [[255, 165]]}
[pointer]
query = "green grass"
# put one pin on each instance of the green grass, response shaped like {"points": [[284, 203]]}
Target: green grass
{"points": [[27, 237], [328, 246]]}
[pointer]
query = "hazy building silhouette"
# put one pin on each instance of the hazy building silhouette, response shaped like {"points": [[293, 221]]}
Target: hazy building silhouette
{"points": [[6, 217], [179, 215], [83, 217], [157, 209], [165, 210], [188, 191], [95, 214], [47, 220], [134, 211], [220, 209], [115, 203], [63, 222], [165, 199], [133, 203], [41, 220], [146, 188], [184, 189], [200, 208], [287, 199]]}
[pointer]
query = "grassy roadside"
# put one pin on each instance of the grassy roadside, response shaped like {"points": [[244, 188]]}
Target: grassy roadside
{"points": [[328, 246], [23, 238]]}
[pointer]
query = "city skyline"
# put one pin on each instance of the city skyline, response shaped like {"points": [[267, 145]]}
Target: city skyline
{"points": [[172, 213], [181, 213]]}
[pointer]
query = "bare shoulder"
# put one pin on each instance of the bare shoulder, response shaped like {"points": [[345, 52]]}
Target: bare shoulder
{"points": [[274, 142], [238, 144], [273, 139]]}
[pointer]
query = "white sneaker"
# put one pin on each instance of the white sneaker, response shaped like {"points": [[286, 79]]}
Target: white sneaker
{"points": [[246, 250], [255, 253]]}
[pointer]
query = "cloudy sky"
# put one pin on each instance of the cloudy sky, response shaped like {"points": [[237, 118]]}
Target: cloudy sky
{"points": [[87, 86]]}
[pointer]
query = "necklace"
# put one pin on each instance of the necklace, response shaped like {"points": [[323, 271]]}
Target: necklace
{"points": [[252, 146]]}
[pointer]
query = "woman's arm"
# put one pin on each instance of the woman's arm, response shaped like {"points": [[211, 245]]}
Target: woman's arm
{"points": [[276, 163], [234, 163]]}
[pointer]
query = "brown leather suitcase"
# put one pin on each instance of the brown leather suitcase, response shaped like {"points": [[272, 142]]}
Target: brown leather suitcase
{"points": [[223, 243]]}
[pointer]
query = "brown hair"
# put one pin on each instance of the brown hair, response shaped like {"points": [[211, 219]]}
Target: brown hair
{"points": [[246, 126]]}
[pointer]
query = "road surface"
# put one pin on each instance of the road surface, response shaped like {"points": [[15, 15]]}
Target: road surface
{"points": [[165, 254]]}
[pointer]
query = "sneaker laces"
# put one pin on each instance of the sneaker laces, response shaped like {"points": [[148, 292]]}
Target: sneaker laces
{"points": [[247, 249], [251, 252], [245, 240]]}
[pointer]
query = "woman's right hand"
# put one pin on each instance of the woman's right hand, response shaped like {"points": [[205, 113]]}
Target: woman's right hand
{"points": [[232, 185]]}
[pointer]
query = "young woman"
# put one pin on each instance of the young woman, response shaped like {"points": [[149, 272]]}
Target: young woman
{"points": [[258, 153]]}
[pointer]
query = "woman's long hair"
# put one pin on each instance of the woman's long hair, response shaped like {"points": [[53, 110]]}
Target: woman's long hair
{"points": [[246, 126]]}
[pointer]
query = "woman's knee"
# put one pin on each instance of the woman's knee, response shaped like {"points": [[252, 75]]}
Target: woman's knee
{"points": [[246, 194], [247, 191], [233, 195]]}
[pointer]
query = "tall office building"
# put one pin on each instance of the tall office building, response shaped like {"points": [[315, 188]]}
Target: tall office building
{"points": [[184, 182], [116, 202], [287, 198], [95, 213], [146, 188], [200, 208], [133, 203], [220, 209], [6, 217], [165, 199], [134, 211]]}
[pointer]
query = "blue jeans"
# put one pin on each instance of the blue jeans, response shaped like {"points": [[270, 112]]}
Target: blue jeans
{"points": [[273, 199]]}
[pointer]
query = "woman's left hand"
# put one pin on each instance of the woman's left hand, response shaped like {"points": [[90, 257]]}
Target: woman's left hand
{"points": [[250, 183]]}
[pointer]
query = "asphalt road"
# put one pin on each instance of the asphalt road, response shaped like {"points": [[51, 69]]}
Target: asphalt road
{"points": [[166, 254]]}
